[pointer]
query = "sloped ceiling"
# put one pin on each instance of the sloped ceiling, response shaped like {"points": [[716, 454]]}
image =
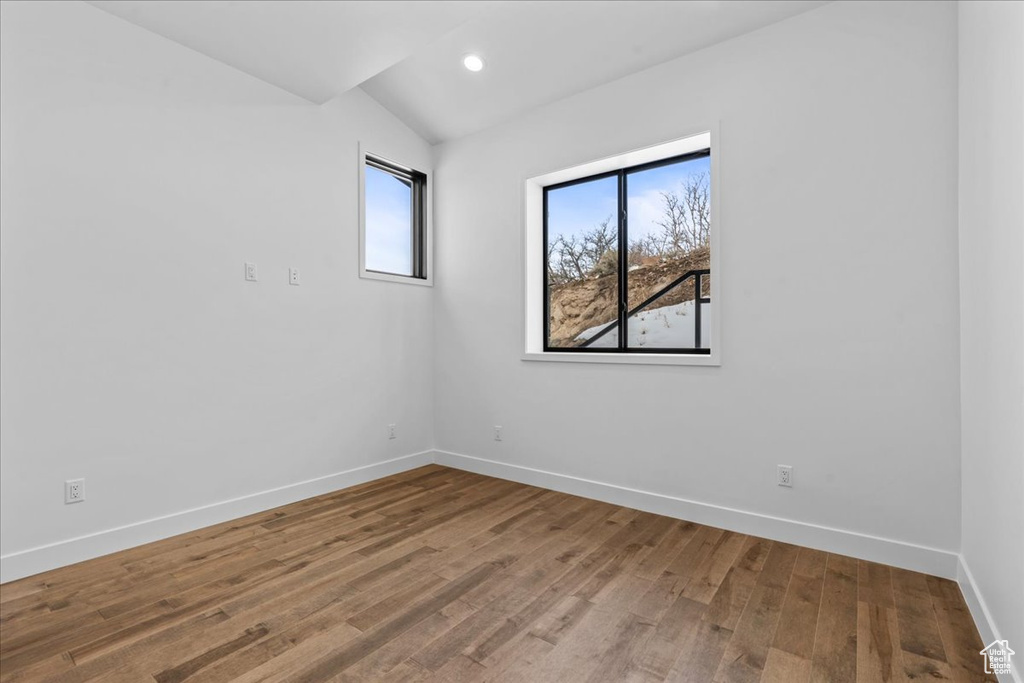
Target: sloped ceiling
{"points": [[539, 52], [316, 49], [408, 55]]}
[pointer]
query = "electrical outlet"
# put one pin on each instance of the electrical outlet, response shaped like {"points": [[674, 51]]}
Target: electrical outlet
{"points": [[392, 431], [497, 433], [785, 475], [293, 276], [74, 491], [250, 272]]}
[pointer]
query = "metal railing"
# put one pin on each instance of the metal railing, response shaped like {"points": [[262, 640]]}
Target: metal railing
{"points": [[698, 277]]}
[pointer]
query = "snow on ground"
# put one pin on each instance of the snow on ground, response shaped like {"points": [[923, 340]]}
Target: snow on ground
{"points": [[668, 327]]}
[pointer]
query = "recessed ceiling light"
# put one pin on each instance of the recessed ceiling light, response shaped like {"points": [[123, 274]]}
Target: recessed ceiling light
{"points": [[473, 62]]}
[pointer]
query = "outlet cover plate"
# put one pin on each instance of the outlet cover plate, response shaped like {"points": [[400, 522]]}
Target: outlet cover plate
{"points": [[785, 475], [74, 491]]}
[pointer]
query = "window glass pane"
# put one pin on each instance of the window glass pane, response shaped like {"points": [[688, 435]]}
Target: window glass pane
{"points": [[669, 210], [583, 271], [389, 232], [672, 320]]}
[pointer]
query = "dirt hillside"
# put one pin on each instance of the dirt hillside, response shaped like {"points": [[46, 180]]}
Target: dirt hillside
{"points": [[577, 306]]}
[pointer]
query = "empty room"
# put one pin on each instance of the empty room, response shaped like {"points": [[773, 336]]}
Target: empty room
{"points": [[511, 341]]}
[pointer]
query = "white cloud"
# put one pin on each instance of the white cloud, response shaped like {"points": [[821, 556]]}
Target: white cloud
{"points": [[644, 210]]}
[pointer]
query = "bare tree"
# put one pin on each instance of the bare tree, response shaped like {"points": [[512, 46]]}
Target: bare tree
{"points": [[576, 257], [601, 239], [644, 248], [573, 253], [686, 224]]}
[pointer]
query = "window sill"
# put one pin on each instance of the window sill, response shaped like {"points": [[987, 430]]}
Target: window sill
{"points": [[402, 279], [625, 359]]}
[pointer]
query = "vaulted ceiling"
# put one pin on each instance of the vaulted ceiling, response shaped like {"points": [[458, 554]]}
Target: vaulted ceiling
{"points": [[408, 55]]}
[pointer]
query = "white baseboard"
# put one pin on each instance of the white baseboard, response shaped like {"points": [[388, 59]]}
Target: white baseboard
{"points": [[982, 616], [896, 553], [34, 560], [899, 554], [932, 561]]}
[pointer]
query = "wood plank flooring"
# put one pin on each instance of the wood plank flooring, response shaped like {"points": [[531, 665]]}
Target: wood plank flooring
{"points": [[441, 575]]}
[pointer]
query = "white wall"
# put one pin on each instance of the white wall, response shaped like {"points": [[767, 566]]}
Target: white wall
{"points": [[991, 40], [137, 177], [838, 170]]}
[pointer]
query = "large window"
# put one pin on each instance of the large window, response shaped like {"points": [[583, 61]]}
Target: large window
{"points": [[627, 260], [394, 220]]}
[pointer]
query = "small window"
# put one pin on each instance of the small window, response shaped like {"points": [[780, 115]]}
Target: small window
{"points": [[630, 249], [394, 226]]}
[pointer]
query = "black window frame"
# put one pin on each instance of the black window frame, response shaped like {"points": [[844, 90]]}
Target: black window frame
{"points": [[623, 264], [417, 183]]}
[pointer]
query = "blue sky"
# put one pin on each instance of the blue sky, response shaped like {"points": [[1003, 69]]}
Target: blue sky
{"points": [[388, 223], [578, 208]]}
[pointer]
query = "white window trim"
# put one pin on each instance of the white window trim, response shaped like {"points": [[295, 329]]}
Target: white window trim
{"points": [[428, 206], [533, 250]]}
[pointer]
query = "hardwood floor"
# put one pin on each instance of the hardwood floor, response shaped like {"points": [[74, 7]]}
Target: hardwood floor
{"points": [[438, 574]]}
